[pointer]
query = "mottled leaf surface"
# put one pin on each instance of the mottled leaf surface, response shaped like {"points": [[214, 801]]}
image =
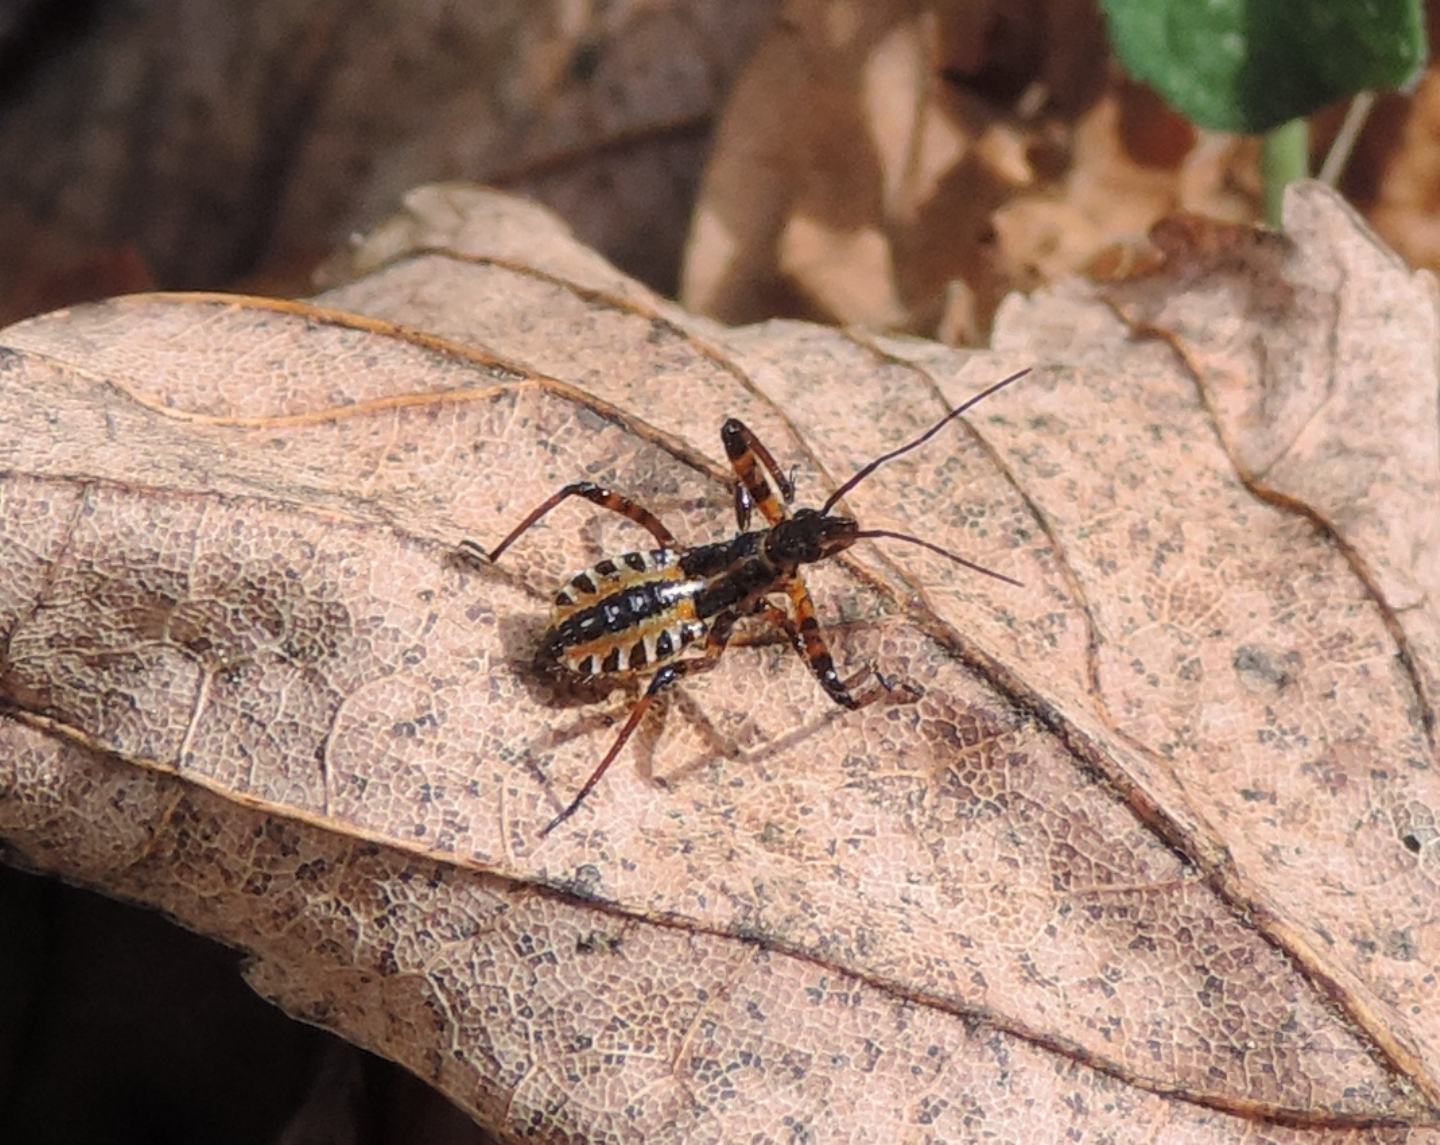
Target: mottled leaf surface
{"points": [[1153, 857]]}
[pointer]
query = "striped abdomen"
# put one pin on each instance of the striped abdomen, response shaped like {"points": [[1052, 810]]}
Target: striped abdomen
{"points": [[624, 614]]}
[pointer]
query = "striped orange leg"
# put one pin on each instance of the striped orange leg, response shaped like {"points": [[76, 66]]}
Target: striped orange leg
{"points": [[747, 453], [605, 498], [807, 639], [715, 641]]}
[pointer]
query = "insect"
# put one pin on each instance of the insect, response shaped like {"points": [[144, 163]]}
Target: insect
{"points": [[638, 613]]}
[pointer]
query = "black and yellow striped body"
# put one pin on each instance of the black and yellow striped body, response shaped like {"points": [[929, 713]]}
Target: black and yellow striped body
{"points": [[636, 613], [628, 615]]}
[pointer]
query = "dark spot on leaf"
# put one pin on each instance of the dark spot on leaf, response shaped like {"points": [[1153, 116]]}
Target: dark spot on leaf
{"points": [[1261, 666]]}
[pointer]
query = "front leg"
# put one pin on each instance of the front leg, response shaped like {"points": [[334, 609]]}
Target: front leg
{"points": [[809, 641], [751, 461]]}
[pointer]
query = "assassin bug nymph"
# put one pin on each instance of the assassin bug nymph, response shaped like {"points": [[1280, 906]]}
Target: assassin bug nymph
{"points": [[634, 614]]}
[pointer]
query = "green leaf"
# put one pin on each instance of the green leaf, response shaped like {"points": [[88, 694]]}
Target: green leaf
{"points": [[1250, 65]]}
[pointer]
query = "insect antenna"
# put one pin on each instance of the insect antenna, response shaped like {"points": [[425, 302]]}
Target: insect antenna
{"points": [[865, 472], [956, 557]]}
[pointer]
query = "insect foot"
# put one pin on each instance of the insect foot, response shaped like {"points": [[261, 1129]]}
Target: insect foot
{"points": [[894, 683], [472, 554]]}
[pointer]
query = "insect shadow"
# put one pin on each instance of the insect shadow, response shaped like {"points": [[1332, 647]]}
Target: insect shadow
{"points": [[605, 700], [639, 613]]}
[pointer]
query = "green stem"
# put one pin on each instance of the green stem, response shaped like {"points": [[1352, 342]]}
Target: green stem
{"points": [[1284, 157]]}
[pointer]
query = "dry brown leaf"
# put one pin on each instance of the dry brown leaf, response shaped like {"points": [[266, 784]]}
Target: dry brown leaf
{"points": [[218, 140], [947, 154], [1154, 857], [1393, 175]]}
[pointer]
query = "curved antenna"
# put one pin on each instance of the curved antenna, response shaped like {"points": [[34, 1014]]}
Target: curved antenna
{"points": [[865, 472], [956, 557]]}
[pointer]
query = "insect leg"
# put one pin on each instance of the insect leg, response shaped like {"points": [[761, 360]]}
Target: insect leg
{"points": [[605, 498], [747, 453], [715, 641], [809, 642]]}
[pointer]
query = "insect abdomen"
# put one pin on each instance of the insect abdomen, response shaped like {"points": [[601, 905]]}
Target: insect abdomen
{"points": [[623, 615], [603, 577]]}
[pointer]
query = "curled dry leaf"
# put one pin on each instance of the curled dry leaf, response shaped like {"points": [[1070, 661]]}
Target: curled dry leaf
{"points": [[1154, 857]]}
